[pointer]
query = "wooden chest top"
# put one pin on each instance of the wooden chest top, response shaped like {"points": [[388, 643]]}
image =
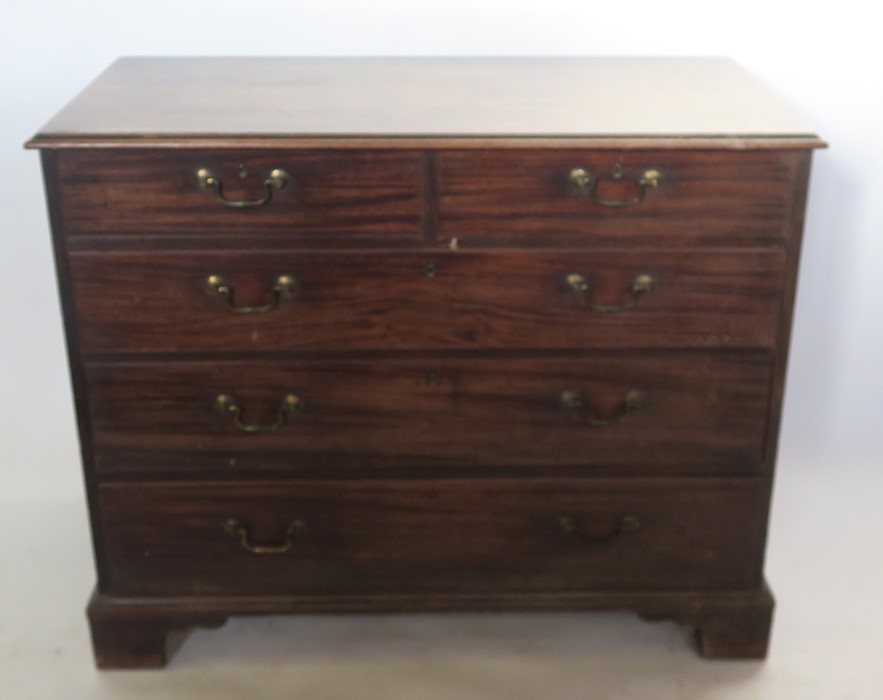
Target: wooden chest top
{"points": [[668, 102]]}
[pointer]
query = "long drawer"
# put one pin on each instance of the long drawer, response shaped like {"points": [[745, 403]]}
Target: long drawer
{"points": [[380, 300], [308, 193], [609, 197], [335, 538], [624, 412]]}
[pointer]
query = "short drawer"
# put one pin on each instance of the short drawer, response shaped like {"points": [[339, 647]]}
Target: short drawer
{"points": [[180, 192], [349, 537], [677, 412], [568, 197], [374, 300]]}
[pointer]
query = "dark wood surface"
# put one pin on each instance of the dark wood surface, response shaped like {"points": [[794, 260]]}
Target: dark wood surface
{"points": [[76, 365], [740, 630], [705, 413], [164, 100], [143, 191], [491, 197], [443, 536], [131, 632], [706, 197], [430, 339], [383, 300]]}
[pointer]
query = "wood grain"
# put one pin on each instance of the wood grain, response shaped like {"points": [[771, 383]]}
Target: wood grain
{"points": [[706, 413], [138, 191], [124, 628], [424, 96], [707, 198], [430, 226], [384, 300], [425, 536]]}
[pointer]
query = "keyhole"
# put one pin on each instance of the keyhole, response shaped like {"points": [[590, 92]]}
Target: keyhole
{"points": [[617, 170], [243, 172]]}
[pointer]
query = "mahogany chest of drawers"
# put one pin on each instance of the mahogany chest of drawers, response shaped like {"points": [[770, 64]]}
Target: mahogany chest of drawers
{"points": [[426, 335]]}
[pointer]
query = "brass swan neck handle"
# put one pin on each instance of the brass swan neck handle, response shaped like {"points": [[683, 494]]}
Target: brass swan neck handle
{"points": [[580, 285], [276, 180]]}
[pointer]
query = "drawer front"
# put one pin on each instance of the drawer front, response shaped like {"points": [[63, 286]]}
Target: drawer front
{"points": [[676, 413], [159, 192], [568, 197], [337, 538], [372, 300]]}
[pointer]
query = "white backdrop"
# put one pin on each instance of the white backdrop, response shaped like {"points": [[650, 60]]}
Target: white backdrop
{"points": [[825, 65]]}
